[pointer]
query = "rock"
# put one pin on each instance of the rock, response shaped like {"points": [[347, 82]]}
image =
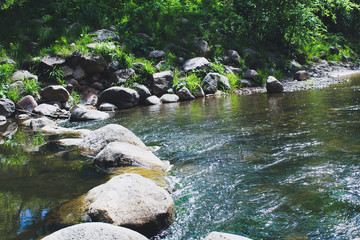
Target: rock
{"points": [[301, 75], [98, 139], [2, 120], [162, 82], [93, 63], [10, 130], [248, 83], [143, 91], [295, 66], [132, 201], [7, 107], [152, 100], [214, 81], [202, 47], [121, 76], [157, 54], [250, 53], [113, 66], [90, 96], [79, 73], [196, 63], [8, 61], [169, 98], [20, 75], [199, 92], [18, 86], [55, 92], [39, 123], [315, 59], [224, 236], [250, 74], [27, 103], [234, 56], [108, 107], [185, 94], [160, 64], [46, 109], [121, 97], [98, 231], [82, 113], [273, 85], [257, 64], [52, 61], [334, 51], [103, 35], [117, 154], [98, 86], [142, 35], [68, 71], [346, 59]]}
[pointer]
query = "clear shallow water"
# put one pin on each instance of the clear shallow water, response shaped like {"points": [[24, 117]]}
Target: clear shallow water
{"points": [[282, 166]]}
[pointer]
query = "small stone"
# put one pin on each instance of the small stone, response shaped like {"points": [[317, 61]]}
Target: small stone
{"points": [[169, 98], [107, 107], [273, 85], [301, 75], [152, 100]]}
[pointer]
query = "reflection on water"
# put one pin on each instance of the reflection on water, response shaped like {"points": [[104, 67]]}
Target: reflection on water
{"points": [[281, 166]]}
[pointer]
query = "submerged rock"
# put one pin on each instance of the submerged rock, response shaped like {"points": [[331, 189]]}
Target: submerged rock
{"points": [[224, 236], [98, 231]]}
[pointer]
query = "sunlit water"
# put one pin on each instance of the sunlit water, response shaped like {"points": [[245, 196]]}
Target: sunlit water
{"points": [[283, 166]]}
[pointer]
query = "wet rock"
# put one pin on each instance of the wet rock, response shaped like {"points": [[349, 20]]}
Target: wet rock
{"points": [[121, 97], [108, 107], [132, 201], [103, 35], [79, 73], [250, 74], [169, 98], [21, 75], [55, 92], [117, 154], [152, 100], [301, 75], [45, 109], [100, 138], [162, 82], [224, 236], [27, 103], [7, 107], [185, 94], [273, 85], [202, 47], [196, 63], [121, 76], [93, 63], [98, 231], [81, 113], [52, 61], [157, 54], [143, 91], [214, 81], [10, 129]]}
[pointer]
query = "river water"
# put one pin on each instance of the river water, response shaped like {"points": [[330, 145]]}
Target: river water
{"points": [[282, 166]]}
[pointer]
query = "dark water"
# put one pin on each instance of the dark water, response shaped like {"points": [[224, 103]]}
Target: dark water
{"points": [[282, 166]]}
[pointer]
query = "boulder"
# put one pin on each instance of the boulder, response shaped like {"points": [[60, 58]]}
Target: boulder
{"points": [[202, 47], [27, 103], [55, 92], [45, 109], [334, 51], [38, 123], [162, 82], [248, 83], [185, 94], [273, 85], [103, 35], [121, 97], [157, 54], [18, 86], [315, 59], [79, 73], [98, 85], [121, 76], [199, 92], [7, 107], [2, 120], [250, 74], [8, 61], [152, 100], [224, 236], [234, 56], [20, 75], [131, 201], [113, 66], [214, 81], [51, 61], [169, 98], [98, 231], [108, 107], [143, 91], [90, 96], [96, 140], [301, 75], [93, 63], [117, 154], [81, 113], [196, 63], [295, 66]]}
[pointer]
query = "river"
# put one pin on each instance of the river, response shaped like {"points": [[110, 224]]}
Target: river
{"points": [[282, 166]]}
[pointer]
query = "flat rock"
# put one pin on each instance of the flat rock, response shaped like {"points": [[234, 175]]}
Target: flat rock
{"points": [[117, 154], [55, 92], [196, 63], [98, 231], [45, 109], [52, 61], [81, 113], [224, 236], [103, 35], [20, 75]]}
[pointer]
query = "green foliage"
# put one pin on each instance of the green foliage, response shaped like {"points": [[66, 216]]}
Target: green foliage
{"points": [[6, 70], [76, 98], [191, 81], [234, 81]]}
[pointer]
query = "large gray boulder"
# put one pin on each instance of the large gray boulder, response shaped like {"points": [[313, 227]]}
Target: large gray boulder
{"points": [[121, 97], [7, 107], [234, 56], [121, 76], [251, 74], [45, 109], [131, 201], [185, 94], [103, 35], [224, 236], [169, 98], [152, 100], [27, 103], [214, 81], [117, 154], [196, 63], [202, 47], [93, 63], [81, 113], [55, 92], [162, 82], [143, 91], [273, 85], [95, 141], [157, 54], [98, 231], [20, 75], [52, 60]]}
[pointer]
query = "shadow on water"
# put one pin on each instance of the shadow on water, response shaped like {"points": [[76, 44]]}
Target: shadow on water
{"points": [[281, 166]]}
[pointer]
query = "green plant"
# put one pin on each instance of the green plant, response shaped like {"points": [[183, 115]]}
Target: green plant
{"points": [[234, 81], [58, 75], [76, 98]]}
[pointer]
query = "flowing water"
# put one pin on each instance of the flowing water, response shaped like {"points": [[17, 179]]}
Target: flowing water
{"points": [[283, 166]]}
